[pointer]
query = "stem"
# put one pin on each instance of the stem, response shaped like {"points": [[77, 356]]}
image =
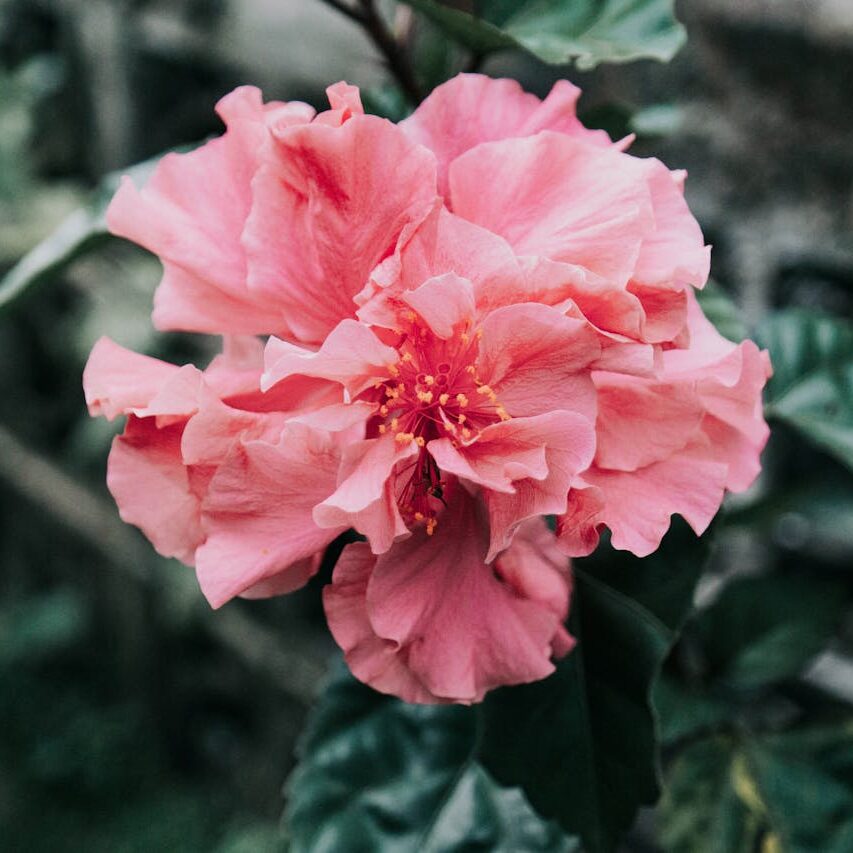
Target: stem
{"points": [[344, 9], [375, 26], [369, 18]]}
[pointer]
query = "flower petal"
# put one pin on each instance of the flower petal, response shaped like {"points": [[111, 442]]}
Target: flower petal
{"points": [[329, 203], [365, 498], [351, 355], [434, 623], [258, 511], [637, 505], [153, 488], [534, 358], [443, 302], [191, 214], [472, 108], [558, 197]]}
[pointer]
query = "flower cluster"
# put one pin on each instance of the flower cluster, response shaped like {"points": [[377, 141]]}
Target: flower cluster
{"points": [[435, 333]]}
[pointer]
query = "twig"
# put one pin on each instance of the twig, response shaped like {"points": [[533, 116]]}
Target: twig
{"points": [[299, 672], [371, 21], [395, 56], [345, 9]]}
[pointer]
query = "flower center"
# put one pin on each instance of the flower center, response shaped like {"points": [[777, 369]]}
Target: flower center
{"points": [[433, 391]]}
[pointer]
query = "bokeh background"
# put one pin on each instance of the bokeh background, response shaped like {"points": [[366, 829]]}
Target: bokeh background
{"points": [[131, 717]]}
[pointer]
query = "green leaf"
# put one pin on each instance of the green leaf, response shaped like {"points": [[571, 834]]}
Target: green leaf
{"points": [[380, 774], [804, 778], [583, 743], [722, 311], [789, 791], [586, 31], [684, 712], [765, 629], [812, 385], [701, 810], [81, 232]]}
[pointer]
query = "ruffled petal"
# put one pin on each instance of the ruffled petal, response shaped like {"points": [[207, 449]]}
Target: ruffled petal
{"points": [[365, 497], [537, 360], [558, 197], [643, 421], [329, 203], [431, 622], [117, 381], [351, 355], [472, 108], [191, 214], [674, 253], [257, 512], [153, 488], [637, 505], [443, 303]]}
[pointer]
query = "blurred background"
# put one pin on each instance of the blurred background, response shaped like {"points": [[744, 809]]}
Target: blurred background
{"points": [[133, 718]]}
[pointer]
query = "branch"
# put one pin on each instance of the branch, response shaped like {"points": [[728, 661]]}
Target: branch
{"points": [[345, 9], [372, 22], [395, 55]]}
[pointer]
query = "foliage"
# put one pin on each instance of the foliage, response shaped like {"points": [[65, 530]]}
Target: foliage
{"points": [[80, 233], [812, 385], [354, 787], [588, 32]]}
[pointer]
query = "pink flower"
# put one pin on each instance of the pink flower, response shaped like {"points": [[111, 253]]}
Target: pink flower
{"points": [[479, 317]]}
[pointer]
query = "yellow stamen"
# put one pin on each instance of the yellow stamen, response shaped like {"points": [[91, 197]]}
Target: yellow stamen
{"points": [[393, 369], [419, 516], [443, 398], [484, 389], [466, 433], [420, 441], [462, 400], [465, 337], [470, 369], [461, 419], [430, 526], [382, 429], [383, 409], [407, 356], [394, 424], [429, 380]]}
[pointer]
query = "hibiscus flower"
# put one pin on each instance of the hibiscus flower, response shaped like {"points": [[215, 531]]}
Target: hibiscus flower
{"points": [[479, 317]]}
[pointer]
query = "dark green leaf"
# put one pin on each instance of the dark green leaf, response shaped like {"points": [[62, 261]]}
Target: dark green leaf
{"points": [[586, 31], [701, 810], [789, 791], [805, 779], [82, 231], [582, 744], [683, 712], [765, 629], [812, 385], [379, 774]]}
